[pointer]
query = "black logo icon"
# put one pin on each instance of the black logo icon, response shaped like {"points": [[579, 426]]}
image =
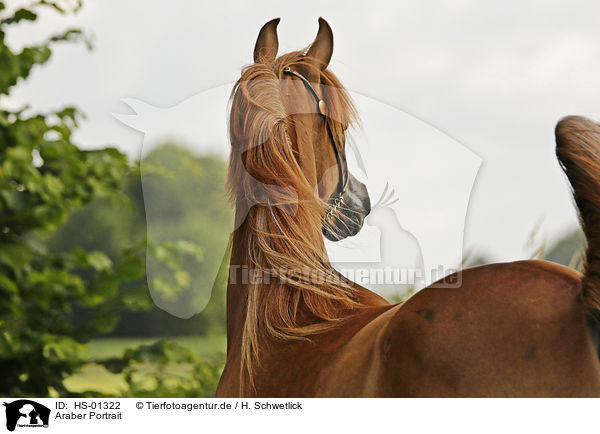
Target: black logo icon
{"points": [[26, 413]]}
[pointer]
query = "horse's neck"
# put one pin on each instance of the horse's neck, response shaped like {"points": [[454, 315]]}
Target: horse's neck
{"points": [[237, 289], [241, 271]]}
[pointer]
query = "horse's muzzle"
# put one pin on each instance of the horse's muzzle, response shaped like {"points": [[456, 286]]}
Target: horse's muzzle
{"points": [[347, 220]]}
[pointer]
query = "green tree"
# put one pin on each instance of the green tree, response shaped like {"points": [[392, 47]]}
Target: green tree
{"points": [[188, 202], [43, 177]]}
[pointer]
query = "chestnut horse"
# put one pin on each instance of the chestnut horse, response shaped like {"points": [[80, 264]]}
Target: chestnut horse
{"points": [[524, 328]]}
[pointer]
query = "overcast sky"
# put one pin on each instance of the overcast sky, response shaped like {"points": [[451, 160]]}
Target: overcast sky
{"points": [[496, 77]]}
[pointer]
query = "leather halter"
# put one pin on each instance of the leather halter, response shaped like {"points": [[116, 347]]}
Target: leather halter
{"points": [[338, 199]]}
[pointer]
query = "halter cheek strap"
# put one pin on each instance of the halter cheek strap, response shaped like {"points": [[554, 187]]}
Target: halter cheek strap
{"points": [[343, 177]]}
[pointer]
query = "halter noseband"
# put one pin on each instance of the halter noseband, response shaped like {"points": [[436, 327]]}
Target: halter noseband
{"points": [[343, 177]]}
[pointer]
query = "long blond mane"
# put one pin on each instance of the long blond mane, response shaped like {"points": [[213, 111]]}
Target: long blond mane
{"points": [[283, 214]]}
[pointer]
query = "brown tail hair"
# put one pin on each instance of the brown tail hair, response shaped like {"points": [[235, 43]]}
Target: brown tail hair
{"points": [[578, 150]]}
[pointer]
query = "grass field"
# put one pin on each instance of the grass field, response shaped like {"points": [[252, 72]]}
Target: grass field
{"points": [[95, 377]]}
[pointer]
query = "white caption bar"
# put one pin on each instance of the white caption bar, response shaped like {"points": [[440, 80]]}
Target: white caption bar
{"points": [[166, 415]]}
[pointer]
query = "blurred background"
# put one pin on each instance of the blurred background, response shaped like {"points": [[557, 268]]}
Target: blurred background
{"points": [[76, 316]]}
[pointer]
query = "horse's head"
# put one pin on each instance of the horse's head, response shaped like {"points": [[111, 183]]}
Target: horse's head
{"points": [[305, 111]]}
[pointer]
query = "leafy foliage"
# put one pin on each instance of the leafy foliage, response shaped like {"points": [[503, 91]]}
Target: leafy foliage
{"points": [[165, 369], [44, 176], [188, 202]]}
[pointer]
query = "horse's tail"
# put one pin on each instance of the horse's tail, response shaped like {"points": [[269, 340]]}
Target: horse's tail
{"points": [[578, 149]]}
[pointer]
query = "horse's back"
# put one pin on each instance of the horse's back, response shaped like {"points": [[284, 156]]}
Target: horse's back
{"points": [[514, 329]]}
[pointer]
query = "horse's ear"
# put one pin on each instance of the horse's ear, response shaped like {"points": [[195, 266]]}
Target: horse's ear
{"points": [[322, 48], [267, 44]]}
